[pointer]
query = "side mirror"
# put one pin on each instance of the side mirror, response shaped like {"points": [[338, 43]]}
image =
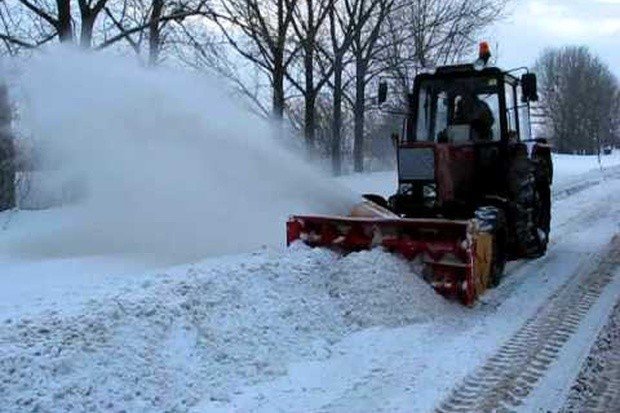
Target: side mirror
{"points": [[529, 85], [382, 95]]}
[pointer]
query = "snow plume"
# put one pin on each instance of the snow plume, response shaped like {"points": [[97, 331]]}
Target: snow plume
{"points": [[170, 164]]}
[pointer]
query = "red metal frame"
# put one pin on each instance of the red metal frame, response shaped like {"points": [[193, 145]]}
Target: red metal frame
{"points": [[447, 247], [454, 165]]}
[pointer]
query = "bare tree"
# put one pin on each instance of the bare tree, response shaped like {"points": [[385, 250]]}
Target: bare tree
{"points": [[27, 24], [578, 97], [89, 12], [173, 22], [365, 51], [151, 18], [615, 122], [30, 23], [154, 31], [414, 35], [280, 54], [308, 24], [428, 33], [57, 15], [259, 30], [346, 19]]}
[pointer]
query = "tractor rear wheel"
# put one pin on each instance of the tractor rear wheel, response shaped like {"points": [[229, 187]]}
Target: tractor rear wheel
{"points": [[530, 214], [543, 176]]}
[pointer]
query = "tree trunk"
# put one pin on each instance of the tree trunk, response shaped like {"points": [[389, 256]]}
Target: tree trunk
{"points": [[358, 111], [337, 118], [154, 33], [310, 95], [7, 158], [88, 17], [86, 31], [7, 172], [65, 30], [310, 120], [309, 98], [277, 109], [278, 87]]}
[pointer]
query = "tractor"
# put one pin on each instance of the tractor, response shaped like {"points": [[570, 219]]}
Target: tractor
{"points": [[473, 184]]}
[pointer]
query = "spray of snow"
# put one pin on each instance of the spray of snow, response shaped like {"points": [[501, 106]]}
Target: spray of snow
{"points": [[170, 164]]}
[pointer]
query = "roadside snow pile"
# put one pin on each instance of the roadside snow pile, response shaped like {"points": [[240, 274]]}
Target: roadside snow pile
{"points": [[178, 340], [375, 288]]}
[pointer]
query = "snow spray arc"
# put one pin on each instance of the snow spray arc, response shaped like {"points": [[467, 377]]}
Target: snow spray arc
{"points": [[171, 164]]}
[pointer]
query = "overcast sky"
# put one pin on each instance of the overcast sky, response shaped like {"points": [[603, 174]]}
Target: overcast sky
{"points": [[533, 25]]}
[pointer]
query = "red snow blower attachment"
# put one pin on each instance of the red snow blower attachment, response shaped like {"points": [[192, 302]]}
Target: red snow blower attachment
{"points": [[456, 254], [473, 187]]}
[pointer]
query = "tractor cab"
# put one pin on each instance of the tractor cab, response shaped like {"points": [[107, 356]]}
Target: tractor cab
{"points": [[460, 105], [463, 126], [457, 104]]}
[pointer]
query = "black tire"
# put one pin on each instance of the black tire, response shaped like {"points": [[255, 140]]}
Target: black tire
{"points": [[531, 209], [544, 172], [492, 220]]}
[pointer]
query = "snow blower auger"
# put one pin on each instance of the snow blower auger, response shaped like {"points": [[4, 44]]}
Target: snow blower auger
{"points": [[473, 186]]}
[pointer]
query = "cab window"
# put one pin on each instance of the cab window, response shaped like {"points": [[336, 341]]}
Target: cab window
{"points": [[511, 111], [458, 110], [524, 117]]}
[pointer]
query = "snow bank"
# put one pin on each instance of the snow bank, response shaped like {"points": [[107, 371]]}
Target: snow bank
{"points": [[176, 340], [377, 288], [170, 164], [570, 165]]}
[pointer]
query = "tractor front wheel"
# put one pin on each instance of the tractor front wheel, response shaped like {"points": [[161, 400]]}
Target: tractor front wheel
{"points": [[493, 221]]}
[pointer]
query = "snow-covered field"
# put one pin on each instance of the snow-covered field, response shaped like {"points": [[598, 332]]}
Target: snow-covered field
{"points": [[274, 329]]}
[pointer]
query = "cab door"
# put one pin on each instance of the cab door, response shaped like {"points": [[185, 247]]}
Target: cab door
{"points": [[491, 157]]}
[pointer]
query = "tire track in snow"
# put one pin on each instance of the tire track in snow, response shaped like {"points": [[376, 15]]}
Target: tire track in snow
{"points": [[597, 388], [506, 379]]}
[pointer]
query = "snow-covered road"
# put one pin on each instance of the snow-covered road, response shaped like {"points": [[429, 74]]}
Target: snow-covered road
{"points": [[597, 388], [295, 330], [416, 366]]}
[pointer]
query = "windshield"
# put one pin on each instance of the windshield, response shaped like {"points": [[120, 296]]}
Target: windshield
{"points": [[458, 110]]}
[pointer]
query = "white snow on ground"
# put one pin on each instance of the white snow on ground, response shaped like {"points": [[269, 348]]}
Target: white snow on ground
{"points": [[29, 285], [202, 333], [568, 166], [93, 318], [553, 390], [294, 330], [596, 385], [411, 368]]}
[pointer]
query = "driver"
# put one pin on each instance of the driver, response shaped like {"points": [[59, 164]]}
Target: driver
{"points": [[470, 110]]}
